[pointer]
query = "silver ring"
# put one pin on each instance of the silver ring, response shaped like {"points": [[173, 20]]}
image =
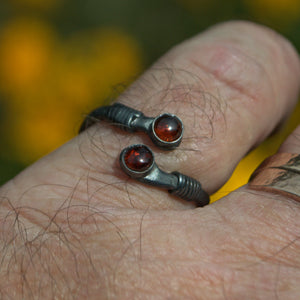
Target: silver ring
{"points": [[137, 161], [166, 130]]}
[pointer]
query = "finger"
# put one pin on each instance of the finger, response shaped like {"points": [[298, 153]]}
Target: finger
{"points": [[292, 143], [227, 90], [229, 95], [279, 173]]}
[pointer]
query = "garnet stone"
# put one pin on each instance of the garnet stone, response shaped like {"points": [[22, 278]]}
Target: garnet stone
{"points": [[168, 128], [138, 158]]}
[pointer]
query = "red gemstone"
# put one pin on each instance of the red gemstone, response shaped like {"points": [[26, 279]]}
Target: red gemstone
{"points": [[168, 128], [138, 158]]}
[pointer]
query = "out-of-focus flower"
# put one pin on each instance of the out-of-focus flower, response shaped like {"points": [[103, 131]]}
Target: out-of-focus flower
{"points": [[50, 84], [36, 131], [93, 62], [279, 12], [26, 47]]}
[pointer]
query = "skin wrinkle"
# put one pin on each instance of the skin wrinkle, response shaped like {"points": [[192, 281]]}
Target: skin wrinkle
{"points": [[250, 250], [236, 64], [68, 243], [233, 61], [25, 239], [281, 50], [282, 241]]}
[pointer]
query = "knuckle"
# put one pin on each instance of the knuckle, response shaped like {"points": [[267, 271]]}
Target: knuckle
{"points": [[238, 72], [266, 47]]}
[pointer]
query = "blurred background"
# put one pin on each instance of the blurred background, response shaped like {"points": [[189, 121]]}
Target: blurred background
{"points": [[61, 58]]}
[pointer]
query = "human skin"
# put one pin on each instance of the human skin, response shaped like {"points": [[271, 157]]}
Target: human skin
{"points": [[74, 226]]}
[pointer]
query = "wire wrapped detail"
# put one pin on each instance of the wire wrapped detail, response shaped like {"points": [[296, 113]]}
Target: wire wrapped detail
{"points": [[137, 161]]}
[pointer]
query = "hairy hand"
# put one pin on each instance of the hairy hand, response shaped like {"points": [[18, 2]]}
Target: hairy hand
{"points": [[73, 226]]}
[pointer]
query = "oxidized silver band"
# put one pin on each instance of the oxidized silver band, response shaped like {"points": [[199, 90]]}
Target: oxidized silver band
{"points": [[166, 130], [137, 161]]}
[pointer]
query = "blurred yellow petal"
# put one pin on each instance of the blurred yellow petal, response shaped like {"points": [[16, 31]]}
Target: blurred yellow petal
{"points": [[105, 58], [57, 83], [69, 79], [25, 54], [36, 131]]}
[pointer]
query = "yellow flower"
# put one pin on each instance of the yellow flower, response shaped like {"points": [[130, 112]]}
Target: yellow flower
{"points": [[36, 131], [106, 57], [51, 84], [26, 46]]}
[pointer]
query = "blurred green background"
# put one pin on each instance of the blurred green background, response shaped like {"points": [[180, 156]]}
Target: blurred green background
{"points": [[61, 58]]}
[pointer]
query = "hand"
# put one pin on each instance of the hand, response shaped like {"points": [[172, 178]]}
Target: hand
{"points": [[74, 226]]}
